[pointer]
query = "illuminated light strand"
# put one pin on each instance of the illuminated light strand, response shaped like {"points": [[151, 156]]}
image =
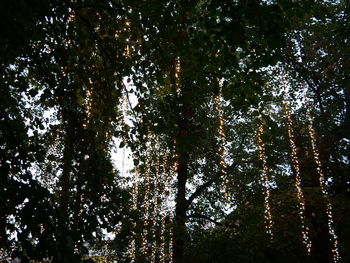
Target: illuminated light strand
{"points": [[171, 244], [155, 210], [319, 169], [295, 162], [162, 241], [266, 183], [146, 201], [134, 207], [127, 47], [127, 51], [70, 18], [171, 213], [163, 209], [89, 94], [222, 140], [177, 75], [122, 111], [123, 108]]}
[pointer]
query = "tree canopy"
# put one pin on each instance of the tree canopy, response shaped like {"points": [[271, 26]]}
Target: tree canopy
{"points": [[236, 115]]}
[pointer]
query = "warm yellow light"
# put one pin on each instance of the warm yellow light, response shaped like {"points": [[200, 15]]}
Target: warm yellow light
{"points": [[146, 201], [266, 183], [127, 51], [222, 140], [132, 246], [155, 209], [86, 120], [171, 242], [162, 241], [177, 75], [297, 183], [319, 169]]}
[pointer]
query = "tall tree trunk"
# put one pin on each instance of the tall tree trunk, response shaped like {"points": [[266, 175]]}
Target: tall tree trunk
{"points": [[181, 208], [65, 243]]}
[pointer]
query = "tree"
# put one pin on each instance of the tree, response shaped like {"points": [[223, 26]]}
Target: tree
{"points": [[198, 78]]}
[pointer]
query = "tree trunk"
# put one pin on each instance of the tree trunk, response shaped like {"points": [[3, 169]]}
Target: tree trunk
{"points": [[180, 210]]}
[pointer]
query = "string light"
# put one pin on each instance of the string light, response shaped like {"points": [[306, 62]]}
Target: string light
{"points": [[155, 209], [134, 207], [297, 183], [127, 51], [88, 107], [163, 209], [146, 201], [319, 169], [127, 48], [177, 75], [222, 139], [171, 213], [266, 183], [171, 243], [162, 241]]}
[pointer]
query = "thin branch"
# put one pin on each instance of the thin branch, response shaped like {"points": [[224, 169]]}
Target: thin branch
{"points": [[201, 189], [304, 73], [207, 184], [128, 99]]}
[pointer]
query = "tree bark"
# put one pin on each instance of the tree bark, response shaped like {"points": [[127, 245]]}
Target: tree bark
{"points": [[180, 209]]}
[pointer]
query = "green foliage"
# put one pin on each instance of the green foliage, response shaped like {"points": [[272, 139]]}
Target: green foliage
{"points": [[62, 74]]}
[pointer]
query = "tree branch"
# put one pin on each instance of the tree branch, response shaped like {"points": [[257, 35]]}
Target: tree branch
{"points": [[204, 186], [201, 189]]}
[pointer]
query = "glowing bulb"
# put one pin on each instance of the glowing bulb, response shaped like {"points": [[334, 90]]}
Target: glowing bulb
{"points": [[71, 17]]}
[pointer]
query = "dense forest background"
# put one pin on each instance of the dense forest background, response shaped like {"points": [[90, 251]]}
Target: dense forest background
{"points": [[233, 118]]}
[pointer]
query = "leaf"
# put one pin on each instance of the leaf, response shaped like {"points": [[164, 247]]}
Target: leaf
{"points": [[122, 144]]}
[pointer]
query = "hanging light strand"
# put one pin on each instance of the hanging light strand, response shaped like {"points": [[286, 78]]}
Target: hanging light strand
{"points": [[170, 244], [222, 140], [155, 208], [134, 208], [146, 200], [297, 182], [163, 209], [177, 75], [89, 102], [162, 241], [123, 108], [266, 184], [171, 183], [127, 29], [319, 169]]}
